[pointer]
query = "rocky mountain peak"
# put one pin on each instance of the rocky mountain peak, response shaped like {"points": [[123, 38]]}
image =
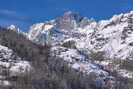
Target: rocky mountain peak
{"points": [[14, 28], [72, 16]]}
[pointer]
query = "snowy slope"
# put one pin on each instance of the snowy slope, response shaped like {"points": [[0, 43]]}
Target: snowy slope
{"points": [[11, 65], [113, 37], [78, 61]]}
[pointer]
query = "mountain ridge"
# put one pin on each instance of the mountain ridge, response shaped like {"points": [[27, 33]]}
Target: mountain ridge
{"points": [[65, 29], [111, 38], [102, 49]]}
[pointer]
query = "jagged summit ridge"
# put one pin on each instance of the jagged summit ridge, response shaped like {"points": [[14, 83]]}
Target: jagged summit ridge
{"points": [[59, 29]]}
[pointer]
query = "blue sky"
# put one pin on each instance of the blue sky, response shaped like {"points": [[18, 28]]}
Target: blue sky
{"points": [[24, 13]]}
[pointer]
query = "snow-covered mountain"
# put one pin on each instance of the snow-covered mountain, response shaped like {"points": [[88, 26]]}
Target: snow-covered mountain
{"points": [[113, 37], [36, 62], [103, 48]]}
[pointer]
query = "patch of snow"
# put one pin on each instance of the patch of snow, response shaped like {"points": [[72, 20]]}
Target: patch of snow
{"points": [[125, 73], [20, 68], [47, 27], [5, 83]]}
